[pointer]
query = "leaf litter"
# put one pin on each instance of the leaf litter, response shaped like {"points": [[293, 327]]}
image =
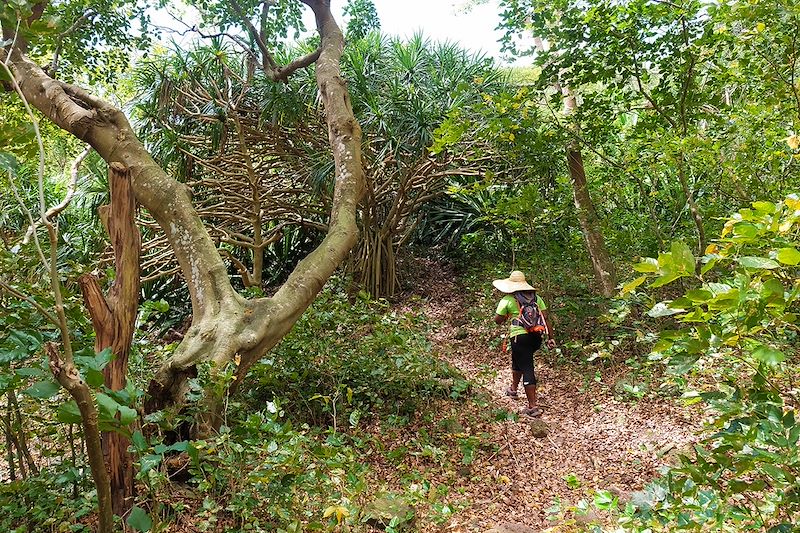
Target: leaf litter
{"points": [[596, 441]]}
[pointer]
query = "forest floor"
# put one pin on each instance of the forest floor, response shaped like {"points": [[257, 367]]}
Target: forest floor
{"points": [[597, 439]]}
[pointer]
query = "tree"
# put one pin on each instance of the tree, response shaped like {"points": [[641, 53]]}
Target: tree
{"points": [[363, 19], [610, 53], [226, 328]]}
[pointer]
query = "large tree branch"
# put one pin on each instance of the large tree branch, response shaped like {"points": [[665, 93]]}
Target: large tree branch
{"points": [[274, 71], [106, 129]]}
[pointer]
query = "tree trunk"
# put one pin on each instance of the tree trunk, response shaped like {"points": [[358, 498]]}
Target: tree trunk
{"points": [[590, 224], [114, 318], [12, 473], [693, 209], [604, 274]]}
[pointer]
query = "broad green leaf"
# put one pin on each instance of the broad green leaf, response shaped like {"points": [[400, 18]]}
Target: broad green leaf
{"points": [[5, 382], [764, 207], [148, 462], [772, 287], [126, 415], [768, 355], [699, 295], [665, 279], [709, 264], [758, 262], [181, 446], [8, 163], [138, 440], [745, 230], [68, 413], [93, 377], [107, 405], [29, 372], [647, 265], [663, 344], [603, 500], [628, 287], [682, 257], [719, 288], [139, 520], [788, 256], [43, 389]]}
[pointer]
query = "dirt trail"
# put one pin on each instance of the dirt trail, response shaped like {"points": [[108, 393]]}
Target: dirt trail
{"points": [[604, 442]]}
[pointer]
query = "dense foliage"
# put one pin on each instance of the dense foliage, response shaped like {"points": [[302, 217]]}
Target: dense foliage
{"points": [[687, 117]]}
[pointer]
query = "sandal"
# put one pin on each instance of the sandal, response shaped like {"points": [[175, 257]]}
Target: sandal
{"points": [[511, 393], [533, 412]]}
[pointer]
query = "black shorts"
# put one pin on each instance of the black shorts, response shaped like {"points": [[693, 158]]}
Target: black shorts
{"points": [[522, 349]]}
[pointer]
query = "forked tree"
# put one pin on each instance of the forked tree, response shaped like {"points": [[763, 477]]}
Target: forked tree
{"points": [[226, 327]]}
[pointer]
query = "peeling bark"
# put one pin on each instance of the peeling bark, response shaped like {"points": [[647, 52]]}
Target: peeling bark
{"points": [[114, 319]]}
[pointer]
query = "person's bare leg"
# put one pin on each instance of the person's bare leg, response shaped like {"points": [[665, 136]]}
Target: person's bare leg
{"points": [[530, 393], [516, 376]]}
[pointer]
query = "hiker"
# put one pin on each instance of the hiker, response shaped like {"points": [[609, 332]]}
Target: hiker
{"points": [[528, 326]]}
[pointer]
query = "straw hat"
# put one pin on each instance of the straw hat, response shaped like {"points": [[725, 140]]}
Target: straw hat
{"points": [[513, 283]]}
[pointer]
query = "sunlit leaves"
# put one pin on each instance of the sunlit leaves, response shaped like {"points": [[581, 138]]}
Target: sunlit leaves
{"points": [[756, 263], [677, 263], [788, 256], [768, 355], [742, 324]]}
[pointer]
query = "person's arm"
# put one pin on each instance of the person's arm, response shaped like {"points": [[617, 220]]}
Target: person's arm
{"points": [[501, 314], [551, 342]]}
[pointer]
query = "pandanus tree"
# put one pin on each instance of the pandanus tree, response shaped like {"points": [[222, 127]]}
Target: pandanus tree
{"points": [[227, 329], [243, 144], [253, 152]]}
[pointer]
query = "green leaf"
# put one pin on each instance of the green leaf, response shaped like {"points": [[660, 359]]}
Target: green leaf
{"points": [[29, 372], [788, 256], [772, 287], [628, 287], [664, 279], [648, 265], [699, 295], [138, 440], [68, 413], [43, 390], [682, 257], [603, 500], [768, 355], [745, 230], [8, 163], [764, 207], [758, 262], [93, 377], [139, 520], [149, 462], [107, 405], [126, 415], [711, 263], [180, 446]]}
